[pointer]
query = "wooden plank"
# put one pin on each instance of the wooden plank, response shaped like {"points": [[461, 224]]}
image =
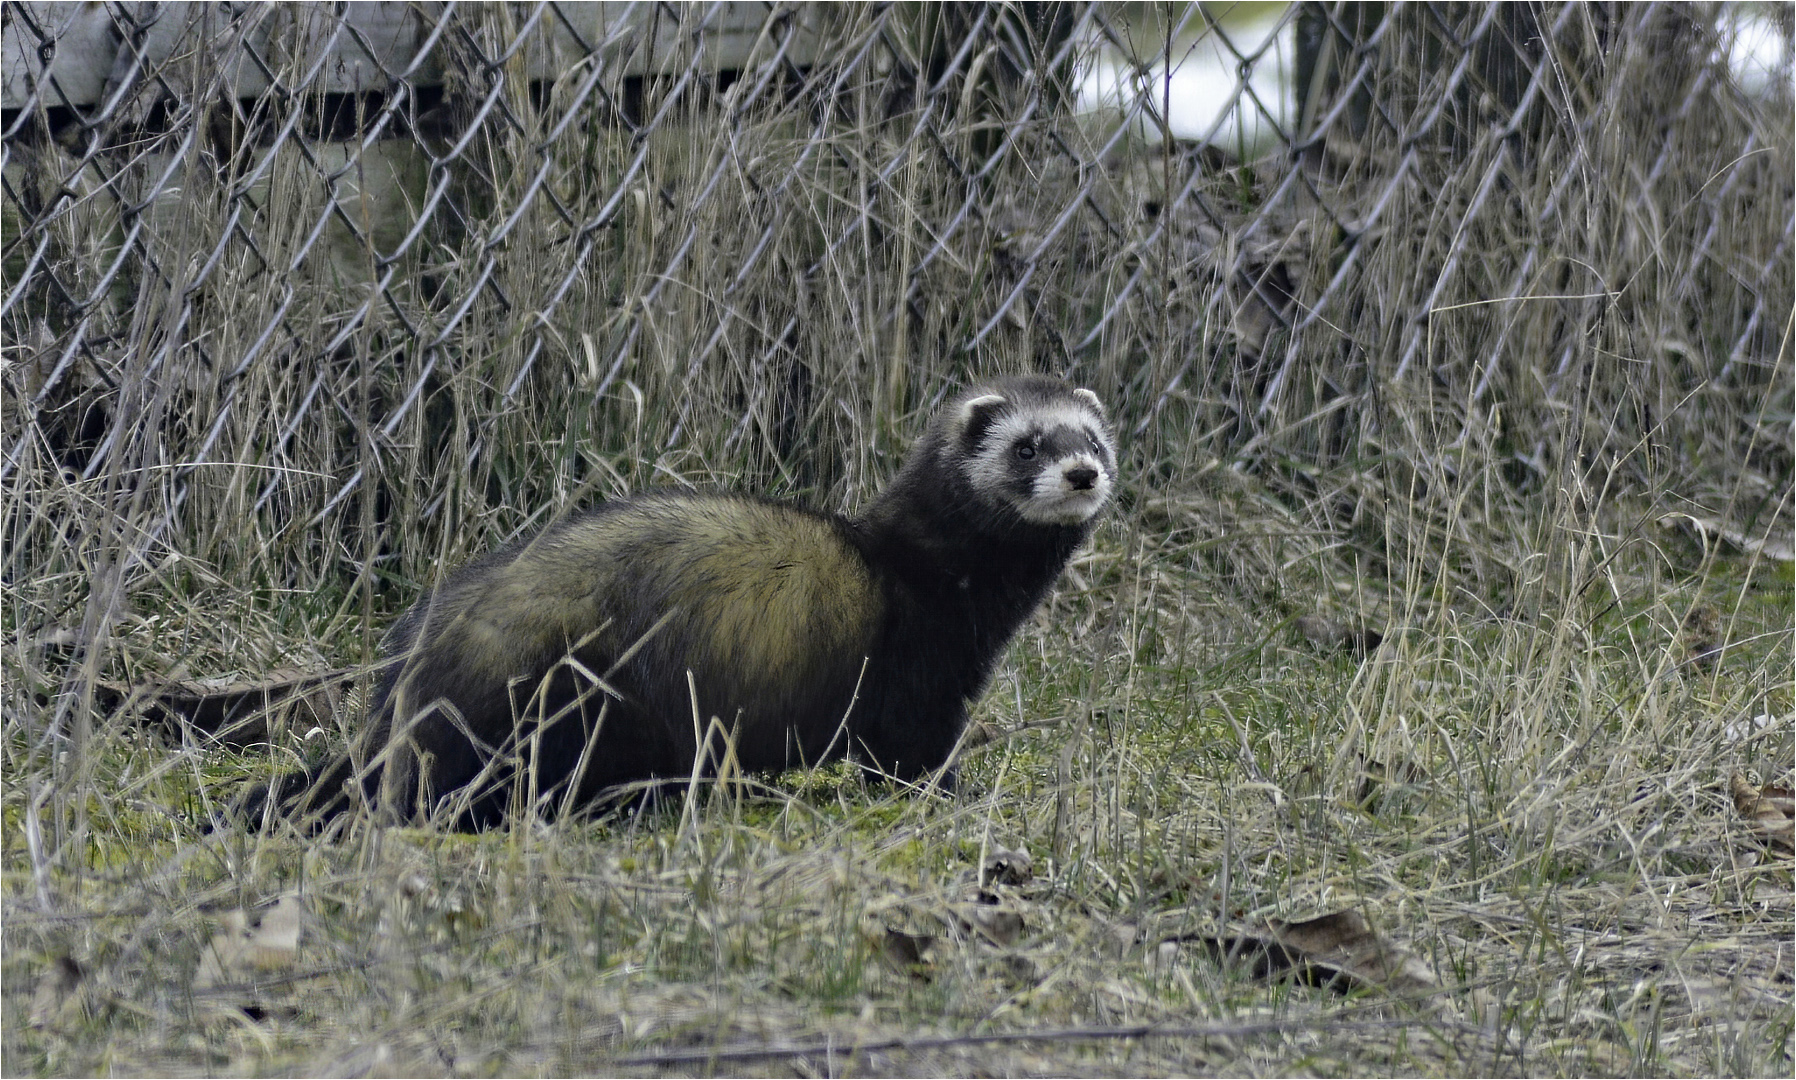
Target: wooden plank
{"points": [[665, 39], [72, 70], [56, 54]]}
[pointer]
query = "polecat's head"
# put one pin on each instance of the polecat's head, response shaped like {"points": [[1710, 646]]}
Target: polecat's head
{"points": [[1035, 445]]}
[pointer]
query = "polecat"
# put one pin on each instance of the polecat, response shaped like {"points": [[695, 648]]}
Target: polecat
{"points": [[610, 646]]}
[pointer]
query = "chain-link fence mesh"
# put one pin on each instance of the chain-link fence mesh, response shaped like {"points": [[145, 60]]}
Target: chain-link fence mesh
{"points": [[301, 296]]}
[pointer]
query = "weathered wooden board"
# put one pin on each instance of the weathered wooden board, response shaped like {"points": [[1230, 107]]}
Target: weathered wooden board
{"points": [[79, 54]]}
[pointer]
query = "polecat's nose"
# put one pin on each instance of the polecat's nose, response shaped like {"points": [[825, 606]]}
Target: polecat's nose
{"points": [[1083, 478]]}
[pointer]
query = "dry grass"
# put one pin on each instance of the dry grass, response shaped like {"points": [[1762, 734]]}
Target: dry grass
{"points": [[1512, 393]]}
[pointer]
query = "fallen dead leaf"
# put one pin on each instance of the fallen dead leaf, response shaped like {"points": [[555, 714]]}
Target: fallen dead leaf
{"points": [[1339, 951], [1770, 811]]}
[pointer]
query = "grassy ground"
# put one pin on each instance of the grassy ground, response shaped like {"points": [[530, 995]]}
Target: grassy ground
{"points": [[1531, 803], [1448, 585]]}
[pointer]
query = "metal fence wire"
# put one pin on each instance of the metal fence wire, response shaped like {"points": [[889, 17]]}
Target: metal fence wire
{"points": [[299, 291]]}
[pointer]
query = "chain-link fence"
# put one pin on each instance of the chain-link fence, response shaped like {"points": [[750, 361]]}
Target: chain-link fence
{"points": [[298, 296]]}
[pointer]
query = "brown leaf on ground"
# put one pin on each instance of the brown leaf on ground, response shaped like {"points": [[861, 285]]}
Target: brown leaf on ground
{"points": [[237, 712], [1339, 951], [1770, 811]]}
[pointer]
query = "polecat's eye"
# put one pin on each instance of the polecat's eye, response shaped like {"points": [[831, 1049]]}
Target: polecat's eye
{"points": [[1025, 451]]}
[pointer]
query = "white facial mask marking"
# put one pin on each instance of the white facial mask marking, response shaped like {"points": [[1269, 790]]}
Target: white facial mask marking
{"points": [[1055, 501], [1052, 500], [987, 468]]}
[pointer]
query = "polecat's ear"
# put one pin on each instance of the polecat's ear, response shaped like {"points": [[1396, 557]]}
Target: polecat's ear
{"points": [[972, 409], [1091, 399]]}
